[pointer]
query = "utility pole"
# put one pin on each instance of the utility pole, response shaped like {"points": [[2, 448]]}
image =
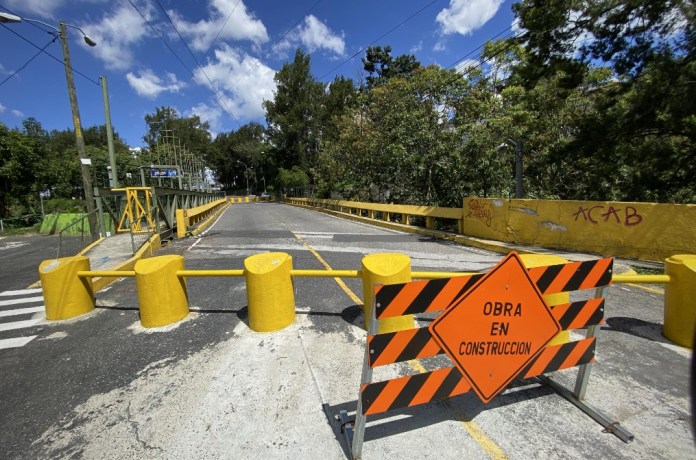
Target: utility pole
{"points": [[79, 139], [109, 132]]}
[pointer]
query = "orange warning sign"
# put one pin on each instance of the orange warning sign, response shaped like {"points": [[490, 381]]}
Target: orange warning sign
{"points": [[497, 328]]}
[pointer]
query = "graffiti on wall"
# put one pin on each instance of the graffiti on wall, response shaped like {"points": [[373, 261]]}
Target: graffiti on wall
{"points": [[481, 210], [627, 216]]}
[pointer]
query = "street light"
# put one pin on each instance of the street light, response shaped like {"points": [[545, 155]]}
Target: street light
{"points": [[246, 174], [62, 33], [519, 193]]}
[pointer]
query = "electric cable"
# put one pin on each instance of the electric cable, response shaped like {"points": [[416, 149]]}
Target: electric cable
{"points": [[29, 61]]}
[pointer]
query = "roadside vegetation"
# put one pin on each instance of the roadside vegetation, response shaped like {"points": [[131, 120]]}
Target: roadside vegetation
{"points": [[597, 96]]}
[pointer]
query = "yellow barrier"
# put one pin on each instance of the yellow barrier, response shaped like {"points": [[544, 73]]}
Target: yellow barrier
{"points": [[544, 260], [162, 295], [680, 300], [385, 269], [270, 293], [65, 294], [386, 211], [188, 217]]}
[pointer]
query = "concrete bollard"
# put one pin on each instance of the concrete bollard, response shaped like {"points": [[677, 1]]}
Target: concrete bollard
{"points": [[680, 300], [385, 269], [270, 292], [543, 260], [162, 295], [65, 294]]}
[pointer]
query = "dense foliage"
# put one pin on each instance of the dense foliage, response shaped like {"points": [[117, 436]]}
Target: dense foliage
{"points": [[597, 96]]}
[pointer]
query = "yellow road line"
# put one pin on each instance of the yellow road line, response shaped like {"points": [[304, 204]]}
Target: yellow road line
{"points": [[477, 434], [321, 260]]}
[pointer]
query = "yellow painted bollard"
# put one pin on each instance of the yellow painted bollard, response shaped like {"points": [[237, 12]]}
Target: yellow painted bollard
{"points": [[65, 295], [385, 269], [543, 260], [162, 295], [270, 292], [680, 299]]}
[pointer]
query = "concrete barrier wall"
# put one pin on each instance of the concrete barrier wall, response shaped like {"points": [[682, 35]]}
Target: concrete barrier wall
{"points": [[649, 231]]}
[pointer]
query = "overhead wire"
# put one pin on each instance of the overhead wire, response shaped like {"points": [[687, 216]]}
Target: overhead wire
{"points": [[222, 101], [28, 62], [379, 38], [50, 55]]}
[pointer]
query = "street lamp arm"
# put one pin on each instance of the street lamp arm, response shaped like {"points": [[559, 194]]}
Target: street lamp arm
{"points": [[9, 18]]}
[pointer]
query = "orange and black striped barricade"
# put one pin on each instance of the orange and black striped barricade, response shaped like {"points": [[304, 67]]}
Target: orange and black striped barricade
{"points": [[523, 351]]}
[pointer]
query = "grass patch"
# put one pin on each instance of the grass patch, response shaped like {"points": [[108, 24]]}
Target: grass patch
{"points": [[648, 270]]}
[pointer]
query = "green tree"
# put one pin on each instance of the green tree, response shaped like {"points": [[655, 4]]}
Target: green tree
{"points": [[18, 165], [380, 65], [238, 154], [293, 116]]}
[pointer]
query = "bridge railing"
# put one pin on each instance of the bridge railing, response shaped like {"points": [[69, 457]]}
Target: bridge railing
{"points": [[399, 213]]}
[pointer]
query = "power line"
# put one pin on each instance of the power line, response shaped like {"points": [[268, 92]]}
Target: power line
{"points": [[198, 64], [50, 55], [380, 37], [28, 62], [221, 29]]}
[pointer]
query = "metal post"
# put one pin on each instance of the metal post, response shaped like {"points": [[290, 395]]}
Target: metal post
{"points": [[79, 140], [109, 132], [519, 193]]}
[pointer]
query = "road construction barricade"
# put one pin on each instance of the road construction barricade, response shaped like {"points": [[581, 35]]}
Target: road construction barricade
{"points": [[495, 328]]}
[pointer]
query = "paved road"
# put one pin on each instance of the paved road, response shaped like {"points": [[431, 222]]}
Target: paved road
{"points": [[101, 386]]}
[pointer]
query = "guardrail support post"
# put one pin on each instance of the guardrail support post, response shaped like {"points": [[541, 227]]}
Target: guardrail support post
{"points": [[385, 269], [65, 294], [162, 295], [543, 260], [270, 292], [680, 299]]}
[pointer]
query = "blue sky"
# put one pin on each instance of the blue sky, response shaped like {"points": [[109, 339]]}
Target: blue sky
{"points": [[239, 44]]}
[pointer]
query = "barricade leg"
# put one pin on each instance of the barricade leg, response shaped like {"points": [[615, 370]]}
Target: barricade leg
{"points": [[65, 294], [543, 260], [385, 269], [162, 295], [680, 300], [270, 292]]}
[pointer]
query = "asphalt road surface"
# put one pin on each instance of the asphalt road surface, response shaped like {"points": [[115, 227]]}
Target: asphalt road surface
{"points": [[101, 386]]}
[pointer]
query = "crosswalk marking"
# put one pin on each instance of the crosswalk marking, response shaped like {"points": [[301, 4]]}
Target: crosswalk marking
{"points": [[20, 292], [16, 342], [18, 324], [20, 301], [20, 310]]}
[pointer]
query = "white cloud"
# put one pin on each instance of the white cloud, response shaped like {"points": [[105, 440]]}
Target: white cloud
{"points": [[314, 35], [17, 113], [439, 46], [416, 48], [149, 85], [243, 81], [211, 114], [116, 35], [465, 16], [242, 25], [2, 108], [43, 8]]}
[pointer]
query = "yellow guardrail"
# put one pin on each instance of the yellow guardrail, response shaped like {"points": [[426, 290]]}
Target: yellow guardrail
{"points": [[188, 217], [386, 212]]}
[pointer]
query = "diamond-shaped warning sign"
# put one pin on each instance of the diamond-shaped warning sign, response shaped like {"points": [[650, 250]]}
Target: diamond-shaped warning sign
{"points": [[497, 328]]}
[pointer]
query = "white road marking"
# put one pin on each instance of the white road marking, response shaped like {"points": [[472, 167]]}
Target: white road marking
{"points": [[22, 311], [20, 292], [19, 324], [16, 342], [21, 301]]}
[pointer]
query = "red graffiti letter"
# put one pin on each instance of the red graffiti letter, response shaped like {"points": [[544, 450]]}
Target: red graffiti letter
{"points": [[632, 217], [612, 211], [581, 210], [589, 213]]}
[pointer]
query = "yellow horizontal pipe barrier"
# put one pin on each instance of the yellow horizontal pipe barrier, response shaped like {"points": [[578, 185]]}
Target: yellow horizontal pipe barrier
{"points": [[649, 279], [106, 274], [636, 279], [203, 273]]}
